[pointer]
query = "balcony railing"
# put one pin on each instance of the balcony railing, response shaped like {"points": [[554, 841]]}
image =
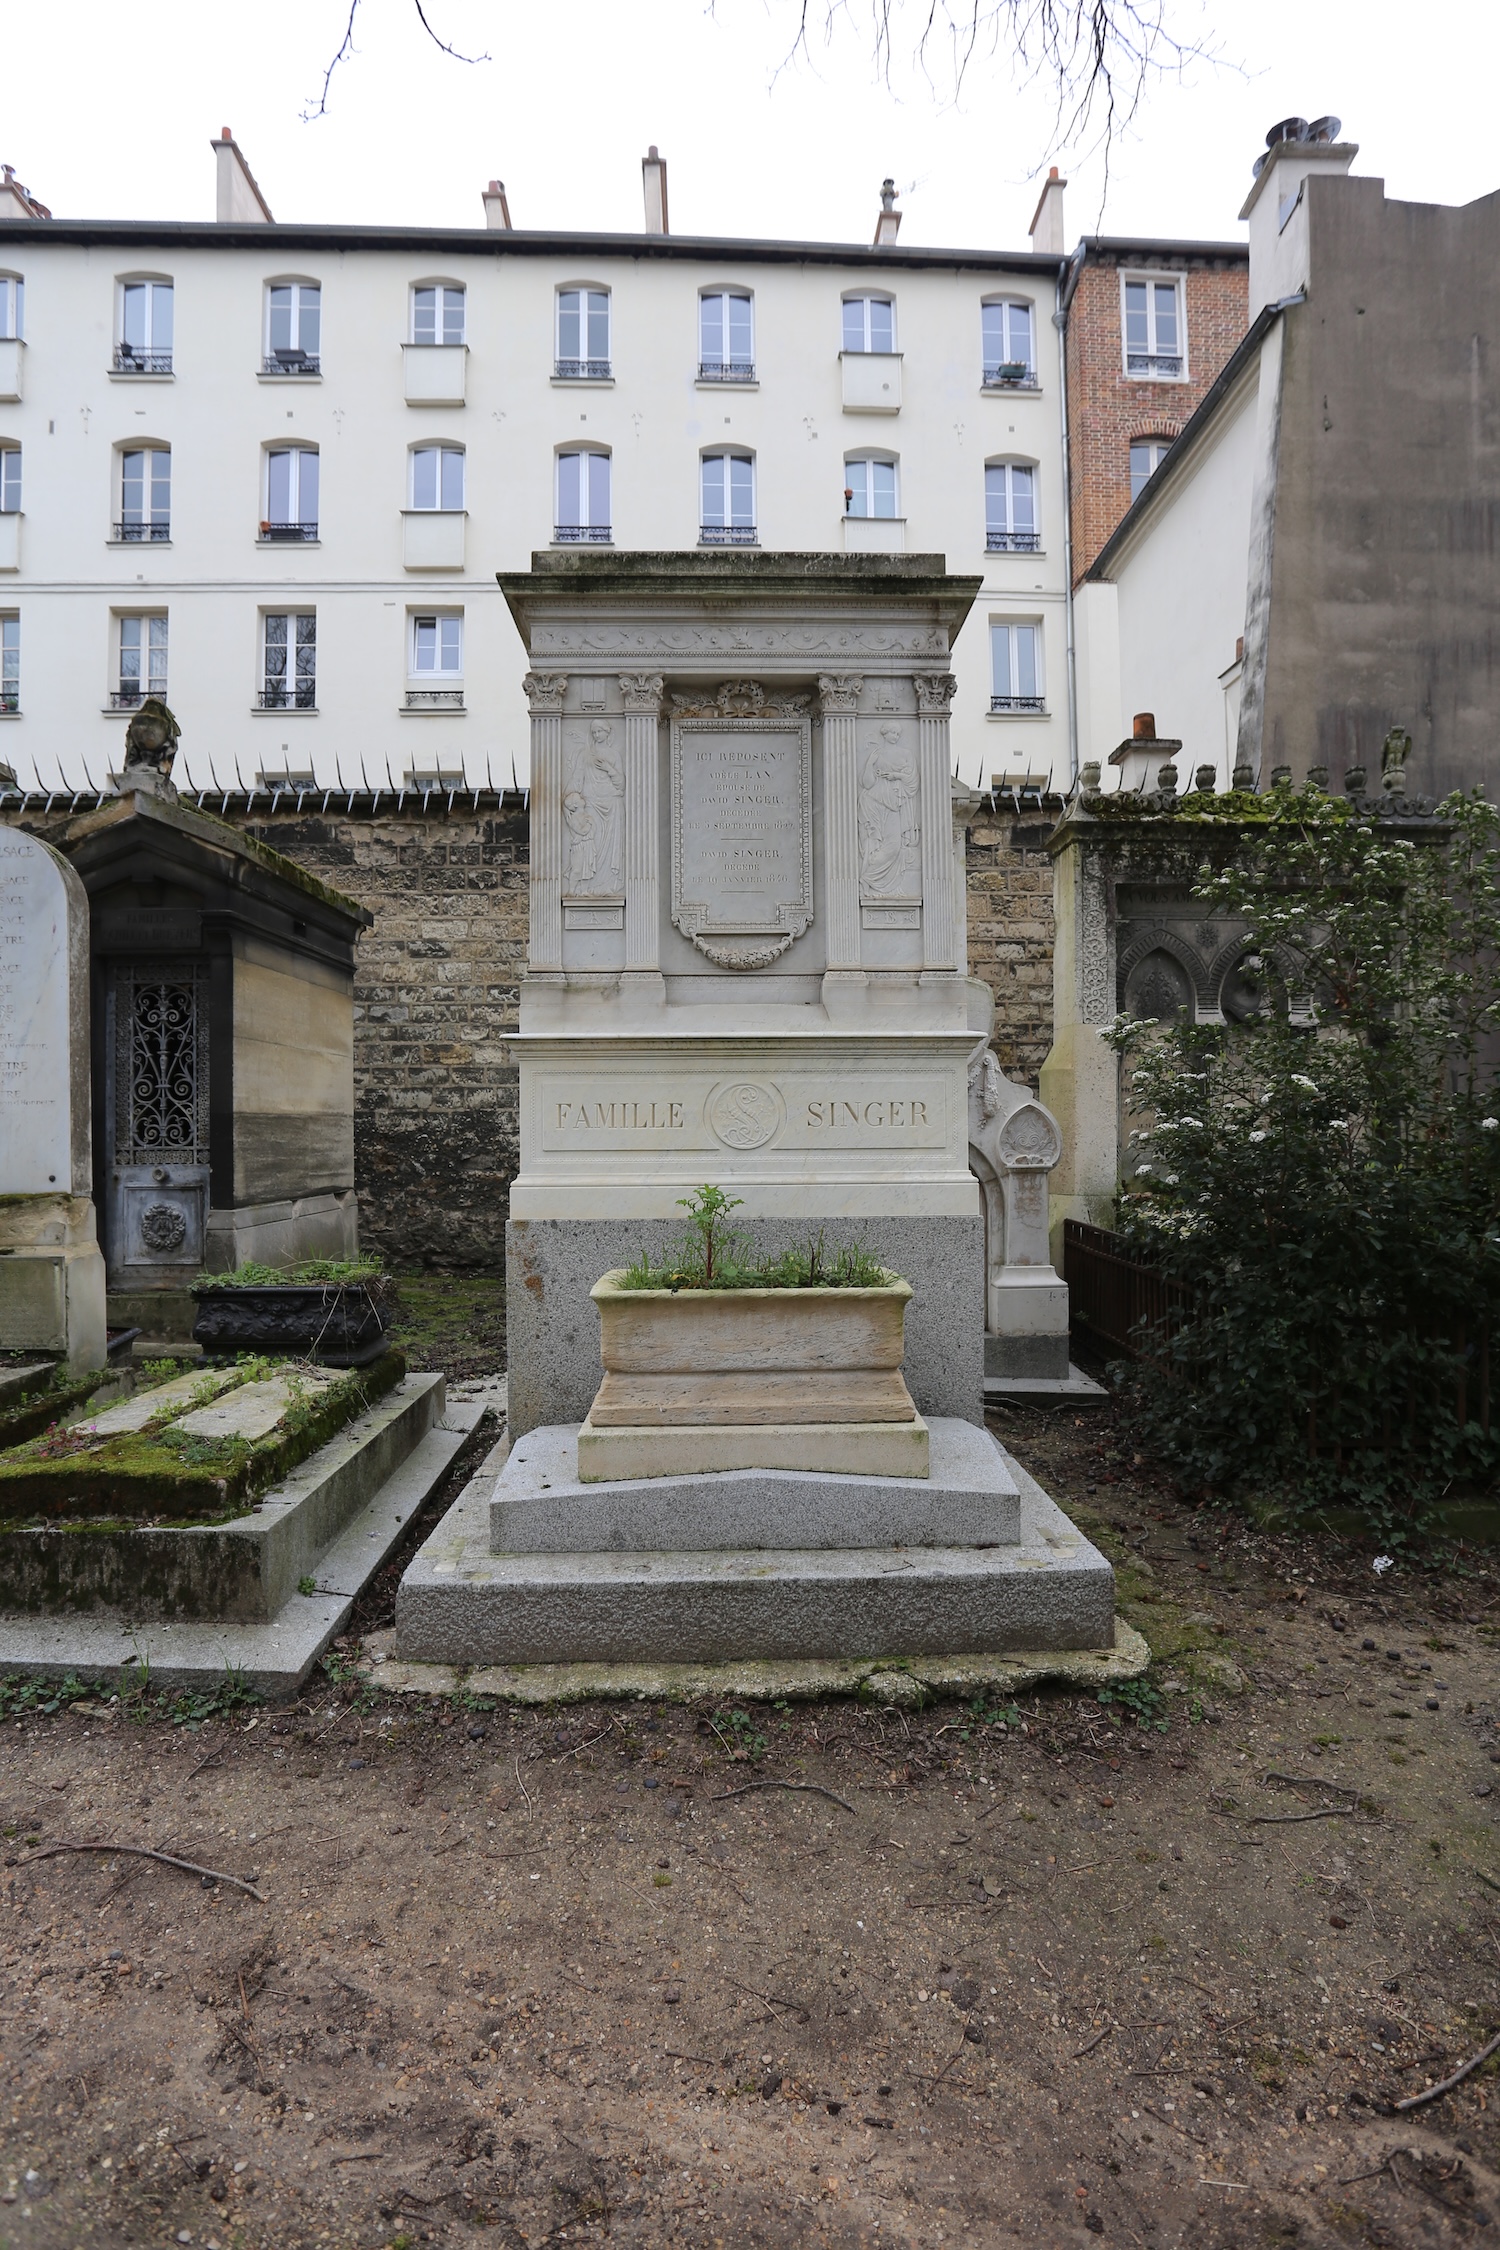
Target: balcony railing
{"points": [[1018, 703], [727, 535], [144, 534], [726, 371], [269, 531], [582, 534], [582, 370], [434, 699], [130, 693], [1165, 366], [131, 360], [291, 363], [281, 695], [10, 701], [1010, 375], [1013, 542]]}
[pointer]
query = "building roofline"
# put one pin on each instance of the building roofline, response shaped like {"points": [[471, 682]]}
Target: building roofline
{"points": [[1188, 438], [1109, 245], [511, 242]]}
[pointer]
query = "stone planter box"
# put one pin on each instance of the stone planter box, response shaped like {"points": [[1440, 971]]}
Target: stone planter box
{"points": [[337, 1323], [720, 1379]]}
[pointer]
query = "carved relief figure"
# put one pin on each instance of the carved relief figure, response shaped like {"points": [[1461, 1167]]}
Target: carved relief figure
{"points": [[890, 833], [582, 849], [594, 810]]}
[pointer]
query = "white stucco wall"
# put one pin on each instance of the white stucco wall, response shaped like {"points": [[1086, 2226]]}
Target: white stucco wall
{"points": [[1162, 632], [218, 414]]}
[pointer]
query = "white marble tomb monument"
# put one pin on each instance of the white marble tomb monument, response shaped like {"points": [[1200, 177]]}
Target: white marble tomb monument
{"points": [[747, 958]]}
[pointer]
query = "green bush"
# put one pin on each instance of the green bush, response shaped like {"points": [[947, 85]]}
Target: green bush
{"points": [[1322, 1179]]}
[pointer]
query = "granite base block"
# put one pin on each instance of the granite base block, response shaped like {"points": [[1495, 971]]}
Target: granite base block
{"points": [[1026, 1358], [552, 1330], [460, 1604], [540, 1505]]}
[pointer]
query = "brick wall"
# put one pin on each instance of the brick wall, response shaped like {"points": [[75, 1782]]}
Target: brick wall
{"points": [[435, 1118], [436, 1125], [1107, 408]]}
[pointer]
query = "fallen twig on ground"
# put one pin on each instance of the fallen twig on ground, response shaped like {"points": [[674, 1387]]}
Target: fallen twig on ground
{"points": [[807, 1788], [143, 1851], [1097, 2041], [1285, 1819], [525, 1792], [1446, 2085], [1305, 1781]]}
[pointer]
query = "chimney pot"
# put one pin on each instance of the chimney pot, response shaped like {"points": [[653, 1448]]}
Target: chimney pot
{"points": [[1047, 219], [888, 225], [1143, 726], [225, 134]]}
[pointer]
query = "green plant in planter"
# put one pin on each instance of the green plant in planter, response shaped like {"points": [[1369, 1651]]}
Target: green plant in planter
{"points": [[714, 1255]]}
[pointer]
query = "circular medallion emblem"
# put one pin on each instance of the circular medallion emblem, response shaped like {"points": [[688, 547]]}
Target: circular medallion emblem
{"points": [[162, 1228], [745, 1114]]}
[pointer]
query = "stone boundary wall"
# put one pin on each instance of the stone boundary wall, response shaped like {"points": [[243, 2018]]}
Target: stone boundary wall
{"points": [[436, 1125]]}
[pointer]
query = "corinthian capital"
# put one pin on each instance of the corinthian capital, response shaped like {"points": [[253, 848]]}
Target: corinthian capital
{"points": [[545, 690], [642, 691], [840, 691], [935, 693]]}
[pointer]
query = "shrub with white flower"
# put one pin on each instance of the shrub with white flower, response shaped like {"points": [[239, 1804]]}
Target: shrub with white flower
{"points": [[1329, 1203]]}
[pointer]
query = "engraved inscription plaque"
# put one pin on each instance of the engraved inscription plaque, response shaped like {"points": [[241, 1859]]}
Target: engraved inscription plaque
{"points": [[742, 834], [43, 1021]]}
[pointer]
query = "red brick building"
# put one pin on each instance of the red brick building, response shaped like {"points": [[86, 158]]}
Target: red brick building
{"points": [[1149, 326]]}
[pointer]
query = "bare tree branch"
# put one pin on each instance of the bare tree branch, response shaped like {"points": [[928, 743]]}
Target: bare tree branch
{"points": [[1099, 56], [347, 48]]}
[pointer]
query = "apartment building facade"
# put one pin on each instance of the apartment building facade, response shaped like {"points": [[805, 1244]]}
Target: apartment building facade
{"points": [[271, 471]]}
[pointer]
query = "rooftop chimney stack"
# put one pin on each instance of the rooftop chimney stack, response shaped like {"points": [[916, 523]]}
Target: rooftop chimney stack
{"points": [[1047, 220], [888, 225], [17, 202], [237, 200], [496, 209], [654, 187], [1276, 207]]}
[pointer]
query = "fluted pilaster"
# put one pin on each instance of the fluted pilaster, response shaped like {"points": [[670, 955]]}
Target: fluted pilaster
{"points": [[934, 699], [544, 694], [641, 692], [838, 694]]}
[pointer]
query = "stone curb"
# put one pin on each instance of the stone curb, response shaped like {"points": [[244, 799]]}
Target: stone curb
{"points": [[905, 1684]]}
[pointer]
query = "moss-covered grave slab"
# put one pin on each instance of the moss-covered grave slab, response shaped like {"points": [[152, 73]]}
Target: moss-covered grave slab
{"points": [[246, 1566], [197, 1449]]}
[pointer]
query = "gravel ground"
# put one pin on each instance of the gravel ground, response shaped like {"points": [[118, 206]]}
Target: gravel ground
{"points": [[782, 1975]]}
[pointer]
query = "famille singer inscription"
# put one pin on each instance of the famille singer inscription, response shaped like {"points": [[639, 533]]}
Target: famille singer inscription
{"points": [[745, 1114]]}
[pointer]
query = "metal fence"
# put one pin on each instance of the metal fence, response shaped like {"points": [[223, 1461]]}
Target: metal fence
{"points": [[1127, 1306]]}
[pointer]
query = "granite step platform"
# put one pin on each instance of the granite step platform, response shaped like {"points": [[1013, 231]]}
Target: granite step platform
{"points": [[461, 1604], [970, 1499], [1073, 1389]]}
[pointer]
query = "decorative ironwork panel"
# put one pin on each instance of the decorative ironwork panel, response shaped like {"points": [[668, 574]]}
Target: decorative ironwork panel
{"points": [[161, 1063]]}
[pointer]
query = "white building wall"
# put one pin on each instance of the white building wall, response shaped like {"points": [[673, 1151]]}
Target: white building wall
{"points": [[218, 414], [1166, 621]]}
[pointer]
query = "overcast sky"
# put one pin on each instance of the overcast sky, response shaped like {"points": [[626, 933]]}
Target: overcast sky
{"points": [[109, 111]]}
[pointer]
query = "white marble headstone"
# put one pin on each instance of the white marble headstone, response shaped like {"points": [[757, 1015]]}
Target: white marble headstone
{"points": [[44, 1021]]}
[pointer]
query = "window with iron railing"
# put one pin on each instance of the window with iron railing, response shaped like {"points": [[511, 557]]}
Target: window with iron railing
{"points": [[1016, 668], [1009, 353], [145, 339], [10, 666], [145, 496], [435, 661], [143, 661], [583, 350], [1010, 517], [726, 338], [291, 493], [1154, 331], [294, 323], [727, 515], [582, 516], [289, 661]]}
